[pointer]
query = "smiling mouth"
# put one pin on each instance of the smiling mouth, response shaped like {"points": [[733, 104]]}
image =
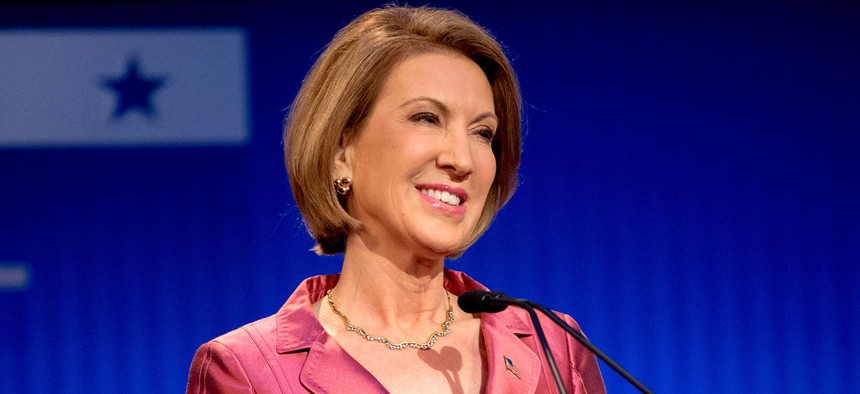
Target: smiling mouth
{"points": [[443, 196]]}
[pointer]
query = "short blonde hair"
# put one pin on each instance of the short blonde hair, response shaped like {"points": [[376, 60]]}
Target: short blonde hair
{"points": [[339, 92]]}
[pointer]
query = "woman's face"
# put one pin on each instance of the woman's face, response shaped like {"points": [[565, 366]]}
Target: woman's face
{"points": [[422, 164]]}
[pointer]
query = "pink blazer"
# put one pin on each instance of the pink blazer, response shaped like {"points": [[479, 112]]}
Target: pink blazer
{"points": [[290, 352]]}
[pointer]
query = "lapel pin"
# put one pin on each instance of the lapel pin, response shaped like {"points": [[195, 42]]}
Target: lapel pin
{"points": [[509, 365]]}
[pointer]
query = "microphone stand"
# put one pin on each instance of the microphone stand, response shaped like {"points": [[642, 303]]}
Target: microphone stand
{"points": [[492, 301], [531, 306], [527, 305]]}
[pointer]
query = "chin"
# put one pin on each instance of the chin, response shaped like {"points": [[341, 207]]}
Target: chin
{"points": [[441, 250], [432, 245]]}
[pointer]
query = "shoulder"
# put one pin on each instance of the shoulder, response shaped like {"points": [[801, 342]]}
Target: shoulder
{"points": [[582, 363], [250, 339], [232, 362]]}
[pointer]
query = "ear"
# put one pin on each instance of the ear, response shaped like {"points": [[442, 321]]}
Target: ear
{"points": [[343, 160]]}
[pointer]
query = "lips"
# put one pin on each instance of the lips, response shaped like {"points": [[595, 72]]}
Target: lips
{"points": [[449, 199], [451, 195]]}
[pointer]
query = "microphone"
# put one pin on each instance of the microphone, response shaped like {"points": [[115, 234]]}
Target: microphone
{"points": [[475, 301]]}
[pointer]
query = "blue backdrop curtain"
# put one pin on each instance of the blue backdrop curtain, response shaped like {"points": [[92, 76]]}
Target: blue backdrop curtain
{"points": [[688, 193]]}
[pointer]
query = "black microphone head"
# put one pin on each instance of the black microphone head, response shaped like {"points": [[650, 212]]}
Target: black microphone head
{"points": [[476, 301], [470, 301]]}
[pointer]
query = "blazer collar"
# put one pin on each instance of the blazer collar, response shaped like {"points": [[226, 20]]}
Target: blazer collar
{"points": [[297, 325], [507, 336]]}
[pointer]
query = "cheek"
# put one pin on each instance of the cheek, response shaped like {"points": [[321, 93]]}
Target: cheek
{"points": [[373, 158], [487, 169]]}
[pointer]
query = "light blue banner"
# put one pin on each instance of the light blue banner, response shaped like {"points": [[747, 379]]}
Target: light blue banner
{"points": [[64, 88]]}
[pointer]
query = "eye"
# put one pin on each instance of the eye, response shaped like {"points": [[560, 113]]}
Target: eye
{"points": [[425, 117], [486, 134]]}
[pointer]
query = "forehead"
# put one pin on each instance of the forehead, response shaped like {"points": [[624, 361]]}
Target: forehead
{"points": [[445, 76]]}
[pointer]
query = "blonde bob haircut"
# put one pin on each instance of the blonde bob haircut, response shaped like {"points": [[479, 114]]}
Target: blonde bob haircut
{"points": [[340, 89]]}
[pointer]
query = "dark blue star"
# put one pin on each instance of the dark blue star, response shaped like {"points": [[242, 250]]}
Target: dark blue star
{"points": [[133, 90]]}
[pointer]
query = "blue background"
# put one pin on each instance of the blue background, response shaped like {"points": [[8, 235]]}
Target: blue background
{"points": [[689, 194]]}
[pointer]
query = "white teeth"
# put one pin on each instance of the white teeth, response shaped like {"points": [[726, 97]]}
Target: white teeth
{"points": [[445, 197]]}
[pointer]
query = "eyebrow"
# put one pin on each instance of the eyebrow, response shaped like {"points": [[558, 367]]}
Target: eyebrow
{"points": [[442, 107]]}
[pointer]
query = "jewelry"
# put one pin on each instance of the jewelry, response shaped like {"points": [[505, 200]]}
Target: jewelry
{"points": [[446, 329], [342, 185]]}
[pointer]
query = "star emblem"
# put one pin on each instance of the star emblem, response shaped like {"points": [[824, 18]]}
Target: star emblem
{"points": [[133, 90]]}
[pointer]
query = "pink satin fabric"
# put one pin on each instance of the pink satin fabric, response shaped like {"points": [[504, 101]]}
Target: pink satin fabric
{"points": [[290, 352]]}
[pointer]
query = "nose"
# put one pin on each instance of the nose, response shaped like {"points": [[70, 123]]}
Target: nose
{"points": [[455, 155]]}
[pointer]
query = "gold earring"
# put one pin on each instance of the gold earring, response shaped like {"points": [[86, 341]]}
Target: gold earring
{"points": [[342, 185]]}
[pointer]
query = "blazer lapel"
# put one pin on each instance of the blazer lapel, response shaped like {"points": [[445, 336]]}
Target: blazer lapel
{"points": [[513, 366], [329, 369]]}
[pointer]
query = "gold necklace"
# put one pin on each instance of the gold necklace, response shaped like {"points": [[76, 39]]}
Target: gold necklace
{"points": [[446, 329]]}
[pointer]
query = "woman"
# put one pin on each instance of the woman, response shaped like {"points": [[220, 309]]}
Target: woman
{"points": [[401, 146]]}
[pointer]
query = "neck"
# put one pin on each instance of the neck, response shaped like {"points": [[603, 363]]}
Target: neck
{"points": [[399, 295]]}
